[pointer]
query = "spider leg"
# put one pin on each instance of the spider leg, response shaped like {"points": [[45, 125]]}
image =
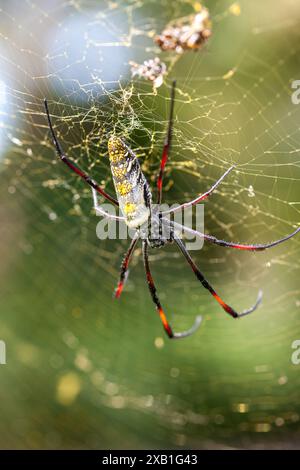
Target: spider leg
{"points": [[239, 246], [201, 197], [159, 308], [102, 212], [167, 145], [207, 286], [124, 266], [71, 165]]}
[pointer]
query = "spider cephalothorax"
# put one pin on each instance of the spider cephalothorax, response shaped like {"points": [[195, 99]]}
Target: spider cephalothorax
{"points": [[155, 231], [150, 223]]}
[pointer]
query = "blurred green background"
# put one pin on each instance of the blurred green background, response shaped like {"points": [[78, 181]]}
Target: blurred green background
{"points": [[83, 370]]}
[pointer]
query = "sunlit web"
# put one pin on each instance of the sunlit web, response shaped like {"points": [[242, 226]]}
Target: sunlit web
{"points": [[233, 106]]}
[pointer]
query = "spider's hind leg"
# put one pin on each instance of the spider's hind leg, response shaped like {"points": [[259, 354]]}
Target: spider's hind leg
{"points": [[124, 266], [154, 296], [207, 286]]}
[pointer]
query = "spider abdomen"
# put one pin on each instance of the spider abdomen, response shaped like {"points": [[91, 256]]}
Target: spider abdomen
{"points": [[131, 186]]}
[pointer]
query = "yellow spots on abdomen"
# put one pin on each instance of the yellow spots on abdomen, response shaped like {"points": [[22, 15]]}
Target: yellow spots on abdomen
{"points": [[129, 208], [116, 157], [116, 150], [124, 188], [119, 172]]}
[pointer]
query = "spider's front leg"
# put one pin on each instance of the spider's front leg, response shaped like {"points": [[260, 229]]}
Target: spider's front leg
{"points": [[72, 165], [200, 198], [167, 145]]}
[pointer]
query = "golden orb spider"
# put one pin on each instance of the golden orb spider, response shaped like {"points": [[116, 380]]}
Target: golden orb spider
{"points": [[134, 199]]}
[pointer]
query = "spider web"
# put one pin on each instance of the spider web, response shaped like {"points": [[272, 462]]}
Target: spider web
{"points": [[100, 362]]}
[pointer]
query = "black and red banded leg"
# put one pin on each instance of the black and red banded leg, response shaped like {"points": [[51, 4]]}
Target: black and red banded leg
{"points": [[200, 198], [72, 165], [248, 247], [238, 246], [154, 296], [167, 145], [124, 267], [207, 286], [153, 293]]}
